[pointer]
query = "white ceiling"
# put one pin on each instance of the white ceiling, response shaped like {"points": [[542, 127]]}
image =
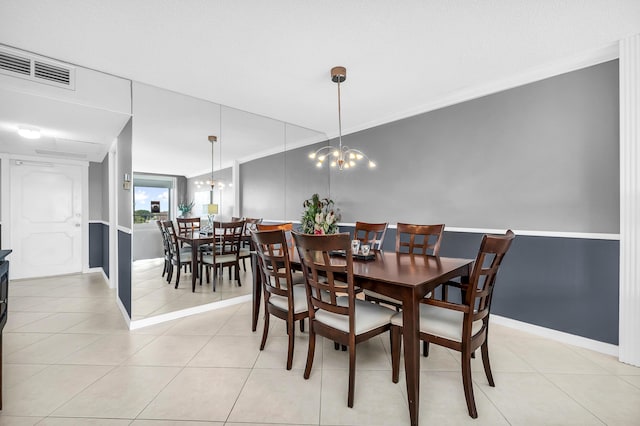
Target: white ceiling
{"points": [[273, 57]]}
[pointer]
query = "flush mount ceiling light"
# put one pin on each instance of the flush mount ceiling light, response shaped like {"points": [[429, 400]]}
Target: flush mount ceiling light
{"points": [[342, 157], [29, 133]]}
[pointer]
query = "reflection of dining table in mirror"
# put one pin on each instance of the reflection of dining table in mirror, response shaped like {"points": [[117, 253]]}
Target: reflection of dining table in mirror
{"points": [[404, 277], [195, 240]]}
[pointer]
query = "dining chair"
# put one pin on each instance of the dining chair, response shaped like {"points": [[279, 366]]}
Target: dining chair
{"points": [[188, 225], [282, 298], [416, 239], [227, 252], [370, 233], [246, 247], [178, 256], [287, 227], [343, 319], [463, 327], [165, 249]]}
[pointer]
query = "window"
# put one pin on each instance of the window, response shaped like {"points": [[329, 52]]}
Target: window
{"points": [[152, 198]]}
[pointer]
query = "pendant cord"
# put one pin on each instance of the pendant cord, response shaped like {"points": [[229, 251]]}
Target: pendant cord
{"points": [[339, 118]]}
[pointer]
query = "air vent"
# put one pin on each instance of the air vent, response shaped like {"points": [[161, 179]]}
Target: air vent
{"points": [[60, 154], [15, 63], [50, 72], [36, 69]]}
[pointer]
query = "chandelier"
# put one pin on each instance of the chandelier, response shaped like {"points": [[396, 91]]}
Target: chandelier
{"points": [[341, 157]]}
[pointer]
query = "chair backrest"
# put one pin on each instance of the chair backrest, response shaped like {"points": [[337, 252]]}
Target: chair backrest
{"points": [[371, 233], [326, 276], [273, 259], [250, 224], [171, 239], [188, 225], [483, 277], [287, 227], [165, 242], [229, 235], [419, 239]]}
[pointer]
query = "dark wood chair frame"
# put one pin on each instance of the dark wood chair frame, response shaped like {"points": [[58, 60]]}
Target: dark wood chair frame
{"points": [[422, 239], [228, 240], [273, 258], [475, 306], [247, 242], [173, 247], [325, 282], [371, 233], [165, 249]]}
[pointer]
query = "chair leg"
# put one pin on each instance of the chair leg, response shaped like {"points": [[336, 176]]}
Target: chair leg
{"points": [[237, 266], [178, 276], [244, 265], [265, 331], [291, 330], [425, 348], [485, 361], [352, 374], [395, 353], [468, 384], [310, 352], [302, 325], [170, 274], [336, 346]]}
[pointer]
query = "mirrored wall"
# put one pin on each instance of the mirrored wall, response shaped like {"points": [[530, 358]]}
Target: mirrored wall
{"points": [[173, 164]]}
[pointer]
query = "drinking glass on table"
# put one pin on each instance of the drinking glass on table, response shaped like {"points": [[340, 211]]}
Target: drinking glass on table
{"points": [[365, 249], [355, 246]]}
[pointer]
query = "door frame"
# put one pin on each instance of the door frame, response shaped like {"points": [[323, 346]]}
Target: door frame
{"points": [[5, 187]]}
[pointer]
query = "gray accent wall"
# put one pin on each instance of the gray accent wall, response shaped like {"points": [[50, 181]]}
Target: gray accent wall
{"points": [[124, 270], [125, 199], [96, 184], [543, 156], [274, 187], [105, 189]]}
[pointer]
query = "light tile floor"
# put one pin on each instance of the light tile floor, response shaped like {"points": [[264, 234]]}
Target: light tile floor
{"points": [[151, 295], [69, 360]]}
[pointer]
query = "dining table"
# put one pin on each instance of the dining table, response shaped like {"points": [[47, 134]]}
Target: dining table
{"points": [[195, 240], [405, 277]]}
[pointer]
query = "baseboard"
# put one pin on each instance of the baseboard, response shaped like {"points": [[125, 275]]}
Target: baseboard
{"points": [[125, 314], [560, 336], [170, 316], [101, 271]]}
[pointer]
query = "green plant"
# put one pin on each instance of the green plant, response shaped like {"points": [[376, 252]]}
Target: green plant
{"points": [[320, 216], [185, 207]]}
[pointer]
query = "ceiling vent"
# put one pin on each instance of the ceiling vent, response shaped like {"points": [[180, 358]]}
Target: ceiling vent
{"points": [[36, 69]]}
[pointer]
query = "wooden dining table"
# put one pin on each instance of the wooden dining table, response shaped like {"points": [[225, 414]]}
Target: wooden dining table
{"points": [[404, 277], [195, 240]]}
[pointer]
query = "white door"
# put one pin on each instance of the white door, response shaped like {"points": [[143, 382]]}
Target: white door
{"points": [[46, 219]]}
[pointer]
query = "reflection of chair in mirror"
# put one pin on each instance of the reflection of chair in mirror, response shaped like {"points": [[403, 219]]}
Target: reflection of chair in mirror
{"points": [[282, 298], [188, 225], [370, 233], [416, 239], [343, 319], [462, 327], [179, 257], [247, 243], [165, 249], [227, 252]]}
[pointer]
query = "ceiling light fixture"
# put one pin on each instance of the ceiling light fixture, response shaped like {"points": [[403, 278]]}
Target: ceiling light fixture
{"points": [[29, 133], [342, 157]]}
